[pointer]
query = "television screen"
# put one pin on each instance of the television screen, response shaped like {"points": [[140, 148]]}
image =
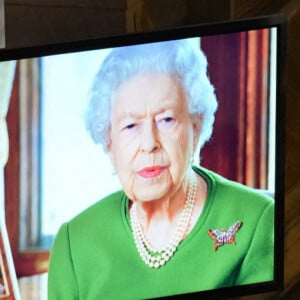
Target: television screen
{"points": [[153, 163]]}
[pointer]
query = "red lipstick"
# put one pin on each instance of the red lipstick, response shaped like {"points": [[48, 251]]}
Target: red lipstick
{"points": [[151, 172]]}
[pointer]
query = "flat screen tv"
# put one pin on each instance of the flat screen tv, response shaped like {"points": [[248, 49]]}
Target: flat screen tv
{"points": [[128, 113]]}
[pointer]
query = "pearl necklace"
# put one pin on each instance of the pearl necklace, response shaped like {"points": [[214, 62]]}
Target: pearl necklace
{"points": [[151, 257]]}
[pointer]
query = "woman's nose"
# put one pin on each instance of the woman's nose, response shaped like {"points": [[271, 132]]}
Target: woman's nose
{"points": [[149, 138]]}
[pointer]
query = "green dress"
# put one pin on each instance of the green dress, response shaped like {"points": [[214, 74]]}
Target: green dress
{"points": [[94, 255]]}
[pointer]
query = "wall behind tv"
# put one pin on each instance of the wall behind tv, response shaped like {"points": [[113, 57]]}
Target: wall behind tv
{"points": [[35, 22]]}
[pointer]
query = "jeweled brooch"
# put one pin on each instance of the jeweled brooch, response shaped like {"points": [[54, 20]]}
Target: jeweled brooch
{"points": [[223, 236]]}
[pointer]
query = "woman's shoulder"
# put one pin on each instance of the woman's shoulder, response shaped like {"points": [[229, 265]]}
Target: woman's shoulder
{"points": [[229, 201], [104, 209], [233, 192]]}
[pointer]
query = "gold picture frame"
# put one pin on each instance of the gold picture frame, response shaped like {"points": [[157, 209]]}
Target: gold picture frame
{"points": [[6, 290]]}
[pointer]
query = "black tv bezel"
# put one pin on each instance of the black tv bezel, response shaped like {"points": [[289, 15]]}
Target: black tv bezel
{"points": [[228, 26]]}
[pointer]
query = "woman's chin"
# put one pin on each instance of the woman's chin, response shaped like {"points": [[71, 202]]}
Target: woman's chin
{"points": [[149, 189], [148, 195]]}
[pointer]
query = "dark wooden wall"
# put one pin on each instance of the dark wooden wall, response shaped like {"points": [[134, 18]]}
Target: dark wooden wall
{"points": [[34, 22]]}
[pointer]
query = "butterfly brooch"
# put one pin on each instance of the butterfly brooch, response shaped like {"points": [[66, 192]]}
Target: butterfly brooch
{"points": [[222, 236]]}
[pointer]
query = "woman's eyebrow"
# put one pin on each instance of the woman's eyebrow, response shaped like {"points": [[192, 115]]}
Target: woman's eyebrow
{"points": [[129, 115], [137, 115], [166, 110]]}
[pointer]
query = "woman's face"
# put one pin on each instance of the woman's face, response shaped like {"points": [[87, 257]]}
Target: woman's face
{"points": [[152, 136]]}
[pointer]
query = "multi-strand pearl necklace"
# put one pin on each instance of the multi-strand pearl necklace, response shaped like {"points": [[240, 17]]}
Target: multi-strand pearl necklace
{"points": [[151, 257]]}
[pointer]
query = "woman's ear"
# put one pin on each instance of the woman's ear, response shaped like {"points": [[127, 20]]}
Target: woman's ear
{"points": [[110, 153], [197, 125]]}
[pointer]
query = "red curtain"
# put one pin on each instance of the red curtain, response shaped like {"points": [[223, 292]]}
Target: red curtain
{"points": [[239, 70]]}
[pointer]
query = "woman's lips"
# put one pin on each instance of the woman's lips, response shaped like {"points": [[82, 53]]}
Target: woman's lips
{"points": [[151, 172]]}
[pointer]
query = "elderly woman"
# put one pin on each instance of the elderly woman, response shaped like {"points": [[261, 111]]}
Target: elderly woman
{"points": [[174, 228]]}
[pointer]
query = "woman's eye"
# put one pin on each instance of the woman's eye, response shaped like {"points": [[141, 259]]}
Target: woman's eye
{"points": [[166, 122], [129, 126]]}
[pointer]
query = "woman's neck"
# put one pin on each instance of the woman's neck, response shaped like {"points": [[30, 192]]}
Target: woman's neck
{"points": [[162, 209], [159, 219]]}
